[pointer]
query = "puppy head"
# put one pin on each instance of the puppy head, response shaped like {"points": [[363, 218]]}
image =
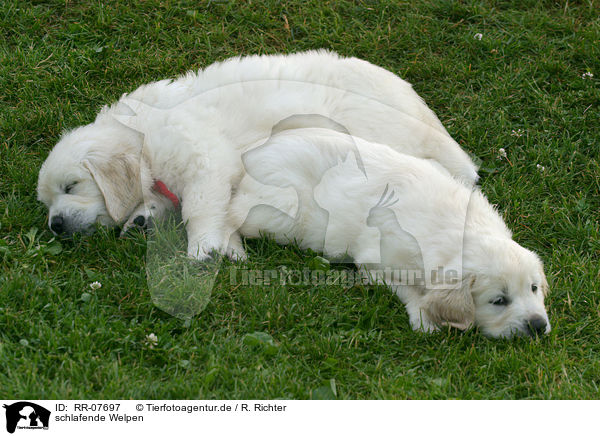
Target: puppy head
{"points": [[91, 176], [502, 291], [508, 288]]}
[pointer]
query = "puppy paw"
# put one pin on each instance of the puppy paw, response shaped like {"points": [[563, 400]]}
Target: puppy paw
{"points": [[425, 328], [236, 254], [205, 251], [423, 324], [235, 250]]}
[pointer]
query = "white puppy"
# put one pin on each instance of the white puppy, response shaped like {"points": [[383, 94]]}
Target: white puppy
{"points": [[437, 242], [190, 133]]}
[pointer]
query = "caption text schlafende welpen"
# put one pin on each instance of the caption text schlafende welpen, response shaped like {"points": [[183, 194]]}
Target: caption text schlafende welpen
{"points": [[93, 412]]}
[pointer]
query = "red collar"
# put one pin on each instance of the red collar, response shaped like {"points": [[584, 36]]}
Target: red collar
{"points": [[161, 188]]}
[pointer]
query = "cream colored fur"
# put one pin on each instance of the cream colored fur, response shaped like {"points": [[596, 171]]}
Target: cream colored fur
{"points": [[394, 213], [191, 132]]}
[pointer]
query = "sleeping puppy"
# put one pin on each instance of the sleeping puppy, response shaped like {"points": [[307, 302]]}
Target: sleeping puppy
{"points": [[404, 221], [189, 134]]}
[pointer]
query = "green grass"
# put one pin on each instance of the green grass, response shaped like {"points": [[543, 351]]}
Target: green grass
{"points": [[61, 61]]}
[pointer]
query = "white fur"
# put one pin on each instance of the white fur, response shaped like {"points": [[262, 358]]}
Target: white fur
{"points": [[395, 212], [295, 123], [191, 132]]}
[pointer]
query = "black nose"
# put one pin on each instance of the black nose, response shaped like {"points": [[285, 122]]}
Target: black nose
{"points": [[536, 325], [57, 224], [139, 220]]}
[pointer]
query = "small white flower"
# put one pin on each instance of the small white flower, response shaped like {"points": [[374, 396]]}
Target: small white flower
{"points": [[501, 153], [587, 75], [151, 340], [518, 133], [478, 36], [540, 167], [95, 285]]}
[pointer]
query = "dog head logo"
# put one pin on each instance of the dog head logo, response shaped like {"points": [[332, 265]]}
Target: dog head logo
{"points": [[26, 415]]}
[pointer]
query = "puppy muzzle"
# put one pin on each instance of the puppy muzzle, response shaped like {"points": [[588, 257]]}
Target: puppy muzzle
{"points": [[536, 326]]}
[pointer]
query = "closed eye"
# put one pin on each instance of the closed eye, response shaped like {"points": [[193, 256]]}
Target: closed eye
{"points": [[500, 301], [69, 187]]}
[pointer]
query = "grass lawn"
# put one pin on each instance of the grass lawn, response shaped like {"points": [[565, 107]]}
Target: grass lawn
{"points": [[521, 87]]}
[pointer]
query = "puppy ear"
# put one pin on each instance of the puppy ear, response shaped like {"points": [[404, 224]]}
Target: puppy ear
{"points": [[545, 286], [452, 307], [118, 177]]}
